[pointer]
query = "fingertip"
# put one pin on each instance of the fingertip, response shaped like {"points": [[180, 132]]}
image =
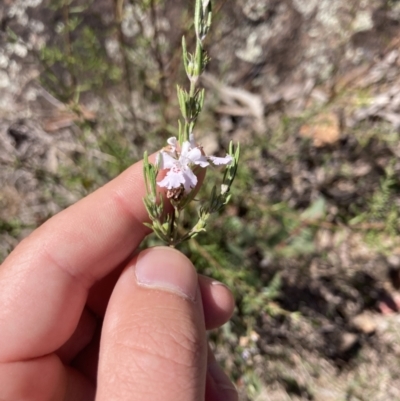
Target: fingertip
{"points": [[219, 386], [153, 339], [167, 269], [218, 302]]}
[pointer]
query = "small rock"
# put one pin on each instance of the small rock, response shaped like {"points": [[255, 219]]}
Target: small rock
{"points": [[363, 21], [324, 129], [10, 202], [4, 79], [328, 394], [348, 341], [364, 323], [244, 341], [394, 261]]}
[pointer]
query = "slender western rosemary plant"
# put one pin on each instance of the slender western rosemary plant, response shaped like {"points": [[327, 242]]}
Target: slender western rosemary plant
{"points": [[183, 158]]}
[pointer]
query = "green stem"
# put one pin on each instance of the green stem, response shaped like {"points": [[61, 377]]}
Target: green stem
{"points": [[118, 11], [159, 59], [171, 229], [68, 50], [192, 90]]}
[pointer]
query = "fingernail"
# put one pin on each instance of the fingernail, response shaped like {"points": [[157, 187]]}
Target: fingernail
{"points": [[218, 283], [222, 382], [167, 269]]}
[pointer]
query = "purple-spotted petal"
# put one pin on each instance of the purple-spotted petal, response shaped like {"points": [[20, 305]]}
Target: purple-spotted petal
{"points": [[173, 179]]}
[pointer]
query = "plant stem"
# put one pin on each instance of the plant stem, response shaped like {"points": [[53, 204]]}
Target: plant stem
{"points": [[68, 48], [171, 233], [159, 59], [118, 12]]}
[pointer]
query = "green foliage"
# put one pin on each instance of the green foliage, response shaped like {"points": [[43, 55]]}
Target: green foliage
{"points": [[382, 199], [13, 226], [86, 65], [77, 61]]}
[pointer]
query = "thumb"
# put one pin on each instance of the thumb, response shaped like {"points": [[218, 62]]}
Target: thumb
{"points": [[153, 344]]}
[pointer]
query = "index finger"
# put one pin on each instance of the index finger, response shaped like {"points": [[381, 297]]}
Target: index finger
{"points": [[45, 280]]}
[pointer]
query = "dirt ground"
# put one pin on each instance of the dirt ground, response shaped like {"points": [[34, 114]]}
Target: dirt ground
{"points": [[311, 88]]}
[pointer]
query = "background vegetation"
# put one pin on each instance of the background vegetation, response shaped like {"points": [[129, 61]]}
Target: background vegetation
{"points": [[309, 243]]}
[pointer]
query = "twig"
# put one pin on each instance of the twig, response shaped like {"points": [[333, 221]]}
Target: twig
{"points": [[159, 58], [68, 47], [205, 254], [118, 12]]}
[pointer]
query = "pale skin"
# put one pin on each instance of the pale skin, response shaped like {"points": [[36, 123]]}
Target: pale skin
{"points": [[77, 279]]}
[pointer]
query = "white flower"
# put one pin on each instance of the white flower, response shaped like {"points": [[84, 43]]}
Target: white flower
{"points": [[180, 164]]}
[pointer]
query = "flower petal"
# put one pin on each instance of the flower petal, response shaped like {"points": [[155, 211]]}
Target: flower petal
{"points": [[221, 160], [173, 179], [190, 180], [167, 161], [172, 141], [185, 149], [196, 157], [202, 162], [173, 144]]}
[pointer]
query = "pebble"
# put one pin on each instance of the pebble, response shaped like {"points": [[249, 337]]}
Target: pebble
{"points": [[347, 342], [364, 323]]}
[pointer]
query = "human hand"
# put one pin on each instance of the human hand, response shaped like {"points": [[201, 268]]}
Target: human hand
{"points": [[75, 280]]}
